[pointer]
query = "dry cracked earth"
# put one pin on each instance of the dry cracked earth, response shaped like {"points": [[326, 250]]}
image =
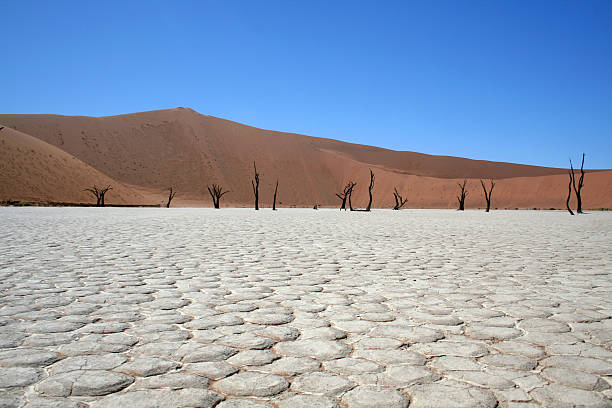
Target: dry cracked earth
{"points": [[301, 308]]}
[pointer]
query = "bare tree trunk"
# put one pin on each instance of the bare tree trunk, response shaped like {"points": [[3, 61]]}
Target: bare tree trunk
{"points": [[95, 192], [171, 195], [399, 201], [345, 194], [103, 193], [580, 185], [99, 194], [487, 194], [350, 196], [274, 202], [216, 192], [343, 198], [569, 194], [370, 190], [255, 185], [462, 195]]}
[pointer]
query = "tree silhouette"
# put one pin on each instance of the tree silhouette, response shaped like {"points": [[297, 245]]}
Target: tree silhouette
{"points": [[367, 209], [255, 185], [578, 189], [99, 193], [370, 190], [569, 194], [462, 195], [487, 195], [399, 202], [350, 196], [274, 202], [216, 192], [171, 195], [344, 195]]}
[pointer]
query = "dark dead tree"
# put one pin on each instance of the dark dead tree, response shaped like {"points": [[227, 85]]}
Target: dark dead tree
{"points": [[487, 195], [255, 185], [274, 202], [370, 190], [350, 196], [94, 191], [368, 208], [216, 192], [578, 189], [171, 195], [103, 193], [399, 201], [99, 193], [462, 195], [569, 194], [345, 194]]}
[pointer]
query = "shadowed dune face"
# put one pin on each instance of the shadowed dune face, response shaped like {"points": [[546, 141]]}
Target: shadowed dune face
{"points": [[145, 153], [33, 170]]}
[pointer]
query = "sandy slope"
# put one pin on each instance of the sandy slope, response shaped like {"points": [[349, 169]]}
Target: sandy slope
{"points": [[33, 170], [151, 151]]}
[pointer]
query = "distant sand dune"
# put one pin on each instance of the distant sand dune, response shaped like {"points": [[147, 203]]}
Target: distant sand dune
{"points": [[142, 154], [33, 170]]}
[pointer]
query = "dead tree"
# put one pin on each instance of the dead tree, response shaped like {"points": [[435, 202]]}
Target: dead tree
{"points": [[274, 202], [103, 193], [462, 195], [96, 192], [399, 201], [487, 195], [171, 195], [216, 192], [569, 194], [344, 195], [370, 190], [99, 193], [255, 185], [350, 196], [578, 189]]}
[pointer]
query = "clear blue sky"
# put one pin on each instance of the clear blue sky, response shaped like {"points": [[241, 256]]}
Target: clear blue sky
{"points": [[518, 81]]}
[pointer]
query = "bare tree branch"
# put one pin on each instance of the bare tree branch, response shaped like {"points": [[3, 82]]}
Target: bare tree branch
{"points": [[399, 201], [578, 189], [171, 195], [488, 194], [462, 195], [255, 185], [99, 193], [569, 194], [350, 195], [370, 190], [345, 194], [368, 208], [216, 192]]}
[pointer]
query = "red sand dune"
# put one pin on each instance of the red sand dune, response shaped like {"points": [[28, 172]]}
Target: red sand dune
{"points": [[33, 170], [142, 154]]}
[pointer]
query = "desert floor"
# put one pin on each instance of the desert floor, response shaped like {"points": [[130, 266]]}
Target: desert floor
{"points": [[108, 307]]}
